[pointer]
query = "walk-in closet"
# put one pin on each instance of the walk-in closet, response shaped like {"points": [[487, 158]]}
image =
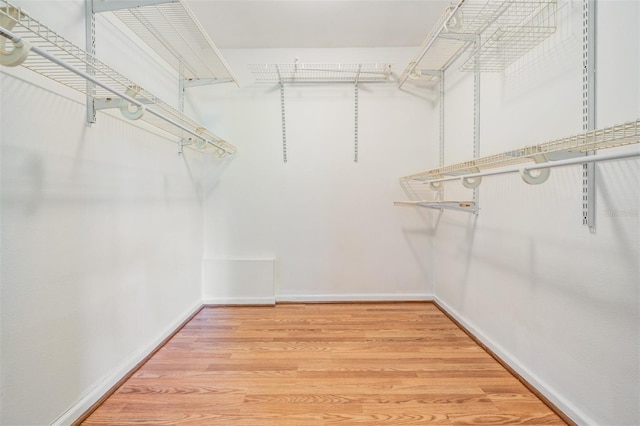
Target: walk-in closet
{"points": [[314, 212]]}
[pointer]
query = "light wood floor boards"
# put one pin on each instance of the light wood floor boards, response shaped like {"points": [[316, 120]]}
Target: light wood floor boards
{"points": [[318, 364]]}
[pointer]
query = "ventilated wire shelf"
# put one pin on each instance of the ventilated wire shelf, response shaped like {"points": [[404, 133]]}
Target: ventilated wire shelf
{"points": [[506, 30], [522, 26], [311, 73], [173, 31], [573, 146], [46, 39]]}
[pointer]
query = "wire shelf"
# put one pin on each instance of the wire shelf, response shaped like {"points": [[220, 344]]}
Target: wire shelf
{"points": [[506, 30], [522, 26], [318, 73], [572, 146], [173, 31], [46, 39]]}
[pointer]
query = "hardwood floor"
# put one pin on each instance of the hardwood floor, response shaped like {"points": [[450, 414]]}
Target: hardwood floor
{"points": [[318, 364]]}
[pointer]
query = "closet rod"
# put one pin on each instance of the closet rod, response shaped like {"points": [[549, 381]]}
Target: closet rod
{"points": [[540, 166], [17, 40]]}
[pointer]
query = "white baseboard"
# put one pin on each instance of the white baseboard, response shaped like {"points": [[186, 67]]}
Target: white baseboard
{"points": [[107, 382], [565, 406], [240, 301], [355, 297]]}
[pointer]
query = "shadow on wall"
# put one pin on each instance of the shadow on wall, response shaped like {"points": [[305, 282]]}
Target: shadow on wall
{"points": [[114, 161], [419, 237], [555, 56], [214, 167], [465, 246]]}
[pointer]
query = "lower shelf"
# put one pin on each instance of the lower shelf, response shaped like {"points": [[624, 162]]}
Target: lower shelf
{"points": [[464, 206]]}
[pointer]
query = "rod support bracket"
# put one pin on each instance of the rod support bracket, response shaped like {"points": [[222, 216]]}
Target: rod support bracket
{"points": [[126, 107], [540, 176], [20, 48]]}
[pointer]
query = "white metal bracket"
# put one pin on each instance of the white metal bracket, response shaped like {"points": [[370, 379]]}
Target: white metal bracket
{"points": [[463, 206], [472, 182], [540, 175], [181, 144], [109, 103], [461, 37], [192, 82]]}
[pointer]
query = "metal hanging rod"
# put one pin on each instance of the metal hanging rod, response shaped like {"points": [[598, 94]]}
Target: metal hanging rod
{"points": [[567, 147], [524, 171], [472, 180], [130, 107]]}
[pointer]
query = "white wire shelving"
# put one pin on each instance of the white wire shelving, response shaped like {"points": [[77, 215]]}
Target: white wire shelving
{"points": [[297, 72], [68, 64], [501, 31], [320, 73], [171, 29], [540, 158]]}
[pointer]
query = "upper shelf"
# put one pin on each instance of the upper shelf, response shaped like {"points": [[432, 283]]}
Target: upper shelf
{"points": [[39, 35], [573, 146], [319, 73], [501, 31], [172, 30]]}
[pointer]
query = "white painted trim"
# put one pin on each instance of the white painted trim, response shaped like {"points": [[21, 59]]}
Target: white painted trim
{"points": [[551, 394], [108, 381], [240, 301], [356, 297]]}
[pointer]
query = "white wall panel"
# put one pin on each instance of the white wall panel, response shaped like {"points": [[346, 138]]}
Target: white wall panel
{"points": [[328, 221], [101, 240], [559, 303], [238, 281]]}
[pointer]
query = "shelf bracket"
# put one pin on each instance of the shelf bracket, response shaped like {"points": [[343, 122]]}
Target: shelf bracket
{"points": [[110, 103], [181, 144], [472, 182], [542, 174], [193, 82], [463, 206], [461, 37]]}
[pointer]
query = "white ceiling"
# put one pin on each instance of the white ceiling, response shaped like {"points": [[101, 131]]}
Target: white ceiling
{"points": [[317, 23]]}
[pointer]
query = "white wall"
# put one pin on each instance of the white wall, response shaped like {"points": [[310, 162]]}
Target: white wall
{"points": [[101, 237], [329, 223], [558, 302]]}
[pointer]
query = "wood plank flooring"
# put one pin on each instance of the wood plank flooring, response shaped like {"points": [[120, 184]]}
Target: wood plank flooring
{"points": [[319, 364]]}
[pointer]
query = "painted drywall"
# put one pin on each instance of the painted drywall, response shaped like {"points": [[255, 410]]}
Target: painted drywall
{"points": [[329, 223], [559, 303], [233, 281], [101, 235]]}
